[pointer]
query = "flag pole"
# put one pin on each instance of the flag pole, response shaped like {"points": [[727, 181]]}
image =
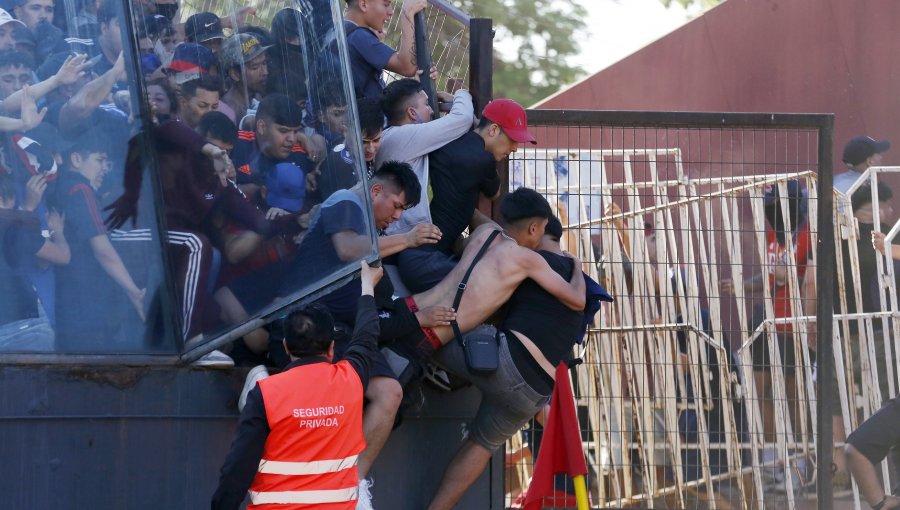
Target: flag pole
{"points": [[581, 498]]}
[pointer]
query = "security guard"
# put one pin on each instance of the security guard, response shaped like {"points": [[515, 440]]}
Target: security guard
{"points": [[301, 430]]}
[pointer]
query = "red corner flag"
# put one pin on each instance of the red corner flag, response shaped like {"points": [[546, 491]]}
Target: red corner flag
{"points": [[561, 446]]}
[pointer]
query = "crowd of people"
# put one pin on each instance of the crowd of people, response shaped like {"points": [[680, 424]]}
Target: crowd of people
{"points": [[246, 136], [264, 184]]}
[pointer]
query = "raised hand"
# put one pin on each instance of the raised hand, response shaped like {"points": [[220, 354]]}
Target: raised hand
{"points": [[423, 233], [72, 69], [34, 191], [31, 117], [369, 276]]}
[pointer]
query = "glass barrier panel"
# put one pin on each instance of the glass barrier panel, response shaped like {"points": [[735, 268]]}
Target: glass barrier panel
{"points": [[75, 276], [277, 160]]}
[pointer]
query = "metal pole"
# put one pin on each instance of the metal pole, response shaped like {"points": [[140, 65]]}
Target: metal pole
{"points": [[481, 61], [423, 60], [481, 85], [825, 270]]}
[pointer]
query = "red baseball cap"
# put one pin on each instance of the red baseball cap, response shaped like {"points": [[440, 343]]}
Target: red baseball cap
{"points": [[510, 116]]}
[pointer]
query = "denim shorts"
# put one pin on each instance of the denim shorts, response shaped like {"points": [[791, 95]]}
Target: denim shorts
{"points": [[507, 401]]}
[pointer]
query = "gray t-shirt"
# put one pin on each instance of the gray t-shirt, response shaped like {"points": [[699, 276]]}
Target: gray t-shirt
{"points": [[411, 143]]}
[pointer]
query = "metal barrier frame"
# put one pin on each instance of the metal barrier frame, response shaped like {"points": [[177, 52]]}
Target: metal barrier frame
{"points": [[823, 125]]}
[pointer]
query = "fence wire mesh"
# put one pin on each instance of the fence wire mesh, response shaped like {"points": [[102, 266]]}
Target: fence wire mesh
{"points": [[698, 387], [448, 39]]}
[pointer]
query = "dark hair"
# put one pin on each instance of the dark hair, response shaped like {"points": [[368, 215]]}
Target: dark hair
{"points": [[308, 331], [16, 58], [107, 12], [329, 93], [217, 125], [401, 178], [279, 109], [554, 228], [286, 24], [173, 97], [91, 142], [796, 208], [396, 97], [523, 204], [863, 195], [7, 186], [288, 82], [371, 116], [205, 82], [483, 123]]}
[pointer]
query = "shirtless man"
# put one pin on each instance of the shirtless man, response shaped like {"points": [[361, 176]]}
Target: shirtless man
{"points": [[508, 262], [537, 333]]}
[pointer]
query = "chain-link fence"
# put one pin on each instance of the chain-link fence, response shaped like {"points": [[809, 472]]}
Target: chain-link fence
{"points": [[699, 381], [448, 39]]}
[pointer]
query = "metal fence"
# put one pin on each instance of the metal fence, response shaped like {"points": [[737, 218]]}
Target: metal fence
{"points": [[448, 31], [698, 390]]}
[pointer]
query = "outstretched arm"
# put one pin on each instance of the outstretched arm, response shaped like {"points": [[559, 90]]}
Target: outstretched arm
{"points": [[571, 293], [71, 71], [88, 98], [421, 234], [404, 61]]}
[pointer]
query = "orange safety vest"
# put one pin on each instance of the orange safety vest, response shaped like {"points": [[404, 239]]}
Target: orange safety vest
{"points": [[315, 420]]}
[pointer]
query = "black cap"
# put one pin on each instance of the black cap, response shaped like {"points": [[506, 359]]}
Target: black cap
{"points": [[155, 24], [772, 195], [24, 36], [286, 23], [861, 148], [203, 26]]}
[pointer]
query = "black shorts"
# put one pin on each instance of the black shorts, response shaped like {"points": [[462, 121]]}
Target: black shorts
{"points": [[877, 435], [342, 336], [762, 358]]}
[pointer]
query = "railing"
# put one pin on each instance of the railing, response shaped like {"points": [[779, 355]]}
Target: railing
{"points": [[687, 400], [448, 31]]}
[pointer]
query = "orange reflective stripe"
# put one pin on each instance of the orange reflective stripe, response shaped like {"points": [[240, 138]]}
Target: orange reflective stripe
{"points": [[304, 497], [317, 467]]}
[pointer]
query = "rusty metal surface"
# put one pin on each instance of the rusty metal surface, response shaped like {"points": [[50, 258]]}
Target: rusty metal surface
{"points": [[113, 437]]}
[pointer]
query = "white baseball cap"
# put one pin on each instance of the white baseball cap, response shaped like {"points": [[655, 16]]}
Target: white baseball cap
{"points": [[5, 18]]}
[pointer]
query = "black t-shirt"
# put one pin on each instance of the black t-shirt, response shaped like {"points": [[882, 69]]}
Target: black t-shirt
{"points": [[457, 172], [867, 275], [545, 320], [337, 172], [21, 239]]}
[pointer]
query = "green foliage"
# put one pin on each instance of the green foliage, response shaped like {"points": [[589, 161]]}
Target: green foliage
{"points": [[533, 41], [704, 4]]}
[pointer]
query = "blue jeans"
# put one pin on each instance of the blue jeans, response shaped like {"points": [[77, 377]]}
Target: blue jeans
{"points": [[28, 335], [421, 269]]}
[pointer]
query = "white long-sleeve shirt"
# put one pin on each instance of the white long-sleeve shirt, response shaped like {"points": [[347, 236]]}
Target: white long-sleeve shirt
{"points": [[411, 143]]}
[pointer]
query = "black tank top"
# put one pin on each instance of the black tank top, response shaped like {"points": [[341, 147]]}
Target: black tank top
{"points": [[534, 312]]}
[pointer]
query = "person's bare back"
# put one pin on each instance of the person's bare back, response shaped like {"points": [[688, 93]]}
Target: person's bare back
{"points": [[502, 268]]}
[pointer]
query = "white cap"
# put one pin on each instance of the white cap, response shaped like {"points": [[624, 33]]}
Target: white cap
{"points": [[5, 18]]}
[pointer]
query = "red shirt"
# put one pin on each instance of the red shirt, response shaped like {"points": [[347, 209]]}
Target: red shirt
{"points": [[775, 253]]}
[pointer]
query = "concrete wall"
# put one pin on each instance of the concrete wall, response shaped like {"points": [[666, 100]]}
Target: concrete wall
{"points": [[119, 437]]}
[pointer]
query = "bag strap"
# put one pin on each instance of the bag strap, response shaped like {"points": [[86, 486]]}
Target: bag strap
{"points": [[462, 284]]}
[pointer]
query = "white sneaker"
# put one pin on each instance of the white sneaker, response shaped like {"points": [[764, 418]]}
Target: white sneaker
{"points": [[364, 502], [256, 374], [215, 359]]}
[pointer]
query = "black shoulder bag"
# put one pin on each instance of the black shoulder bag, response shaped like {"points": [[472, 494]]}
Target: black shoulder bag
{"points": [[482, 351]]}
